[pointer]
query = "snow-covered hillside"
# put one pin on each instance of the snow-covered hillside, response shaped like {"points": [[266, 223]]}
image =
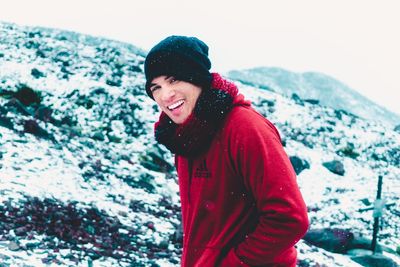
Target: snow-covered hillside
{"points": [[316, 86], [83, 183]]}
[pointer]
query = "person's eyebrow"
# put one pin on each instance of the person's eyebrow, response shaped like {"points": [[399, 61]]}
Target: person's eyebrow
{"points": [[152, 85]]}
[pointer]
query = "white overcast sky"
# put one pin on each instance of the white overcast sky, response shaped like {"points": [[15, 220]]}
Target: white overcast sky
{"points": [[355, 41]]}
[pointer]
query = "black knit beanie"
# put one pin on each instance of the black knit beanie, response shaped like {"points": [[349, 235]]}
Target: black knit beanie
{"points": [[185, 58]]}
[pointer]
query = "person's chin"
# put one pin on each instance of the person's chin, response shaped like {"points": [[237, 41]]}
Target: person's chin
{"points": [[179, 119]]}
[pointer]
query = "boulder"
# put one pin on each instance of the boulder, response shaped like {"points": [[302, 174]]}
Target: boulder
{"points": [[6, 122], [312, 101], [44, 113], [297, 99], [374, 260], [333, 240], [32, 127], [154, 160], [37, 73], [335, 166], [299, 164], [28, 96], [13, 246], [360, 242]]}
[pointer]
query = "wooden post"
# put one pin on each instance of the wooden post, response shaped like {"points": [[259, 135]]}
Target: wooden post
{"points": [[378, 209]]}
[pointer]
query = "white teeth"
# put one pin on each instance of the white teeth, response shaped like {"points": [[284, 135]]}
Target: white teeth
{"points": [[175, 105]]}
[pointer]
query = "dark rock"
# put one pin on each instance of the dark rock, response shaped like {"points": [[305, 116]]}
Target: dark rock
{"points": [[62, 56], [333, 240], [360, 242], [37, 73], [28, 96], [154, 160], [31, 44], [90, 229], [13, 246], [32, 245], [85, 101], [144, 181], [118, 72], [173, 261], [397, 128], [15, 106], [98, 136], [299, 164], [164, 244], [340, 112], [331, 122], [32, 127], [374, 260], [69, 120], [137, 206], [20, 231], [114, 82], [44, 113], [325, 129], [73, 94], [393, 155], [177, 237], [284, 141], [6, 122], [134, 68], [348, 151], [114, 138], [366, 201], [98, 91], [41, 53], [312, 101], [297, 99], [65, 71], [267, 102], [34, 34], [335, 166], [95, 256], [3, 258], [305, 263], [377, 156]]}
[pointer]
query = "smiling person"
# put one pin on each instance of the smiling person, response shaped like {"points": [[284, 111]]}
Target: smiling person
{"points": [[241, 205]]}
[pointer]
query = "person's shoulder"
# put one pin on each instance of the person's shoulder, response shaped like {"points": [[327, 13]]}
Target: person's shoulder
{"points": [[245, 113], [247, 116], [247, 120]]}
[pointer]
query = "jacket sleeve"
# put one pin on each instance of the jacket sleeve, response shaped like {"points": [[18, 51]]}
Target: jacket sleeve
{"points": [[259, 157]]}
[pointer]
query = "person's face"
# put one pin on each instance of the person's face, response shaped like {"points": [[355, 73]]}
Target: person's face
{"points": [[176, 98]]}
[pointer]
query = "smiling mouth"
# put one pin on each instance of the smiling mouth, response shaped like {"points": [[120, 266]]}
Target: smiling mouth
{"points": [[176, 105]]}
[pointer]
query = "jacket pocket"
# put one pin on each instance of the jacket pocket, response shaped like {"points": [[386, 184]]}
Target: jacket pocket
{"points": [[231, 260], [202, 257]]}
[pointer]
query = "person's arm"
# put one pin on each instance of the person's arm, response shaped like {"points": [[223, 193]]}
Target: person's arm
{"points": [[258, 154]]}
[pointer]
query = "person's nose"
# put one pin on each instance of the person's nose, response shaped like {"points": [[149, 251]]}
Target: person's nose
{"points": [[168, 94]]}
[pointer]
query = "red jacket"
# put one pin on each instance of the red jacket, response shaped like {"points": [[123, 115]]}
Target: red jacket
{"points": [[241, 205]]}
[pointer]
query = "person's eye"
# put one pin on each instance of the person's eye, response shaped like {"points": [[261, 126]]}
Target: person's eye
{"points": [[154, 88], [173, 80]]}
